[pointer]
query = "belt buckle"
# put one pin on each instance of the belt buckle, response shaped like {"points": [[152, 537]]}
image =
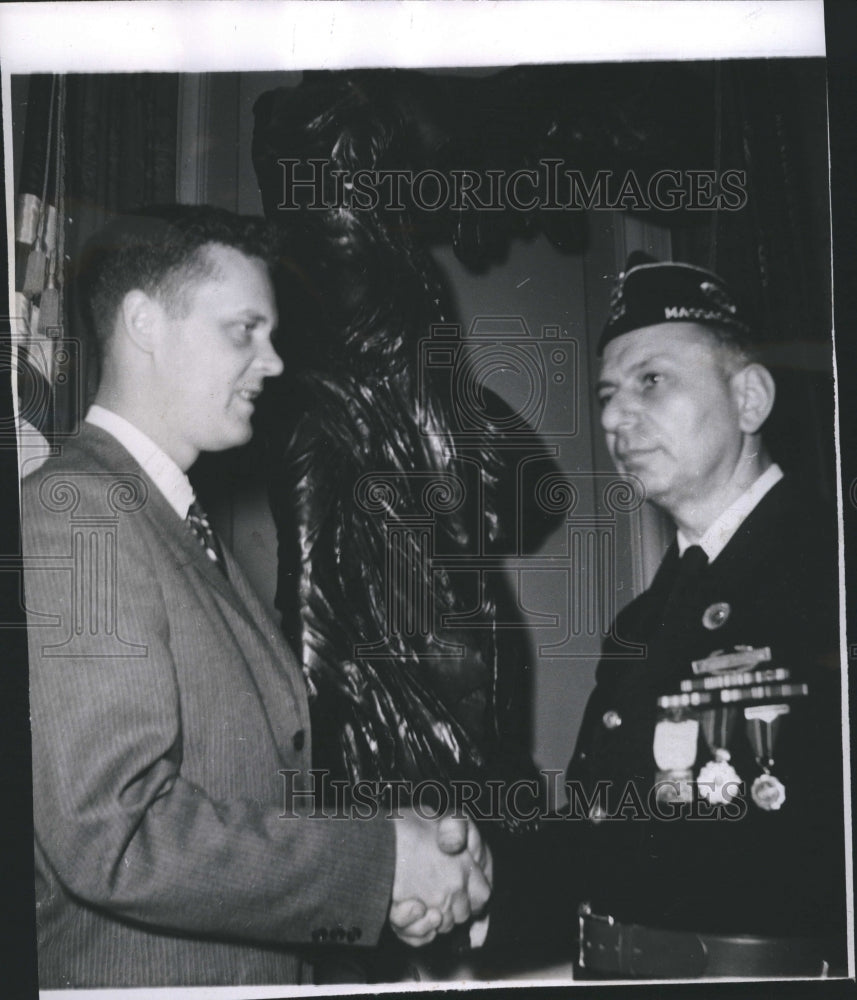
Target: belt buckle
{"points": [[584, 913]]}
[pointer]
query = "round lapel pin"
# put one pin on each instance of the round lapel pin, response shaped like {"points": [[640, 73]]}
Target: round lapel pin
{"points": [[716, 615]]}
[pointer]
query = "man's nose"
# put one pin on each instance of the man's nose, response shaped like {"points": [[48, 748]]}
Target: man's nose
{"points": [[619, 411], [269, 361]]}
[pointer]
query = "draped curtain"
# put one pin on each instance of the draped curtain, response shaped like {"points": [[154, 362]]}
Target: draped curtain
{"points": [[770, 121], [92, 145]]}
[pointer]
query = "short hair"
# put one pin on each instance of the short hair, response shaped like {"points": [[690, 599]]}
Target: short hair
{"points": [[161, 250], [737, 349]]}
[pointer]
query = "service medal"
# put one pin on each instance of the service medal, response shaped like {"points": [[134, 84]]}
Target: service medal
{"points": [[763, 723], [768, 792], [674, 744], [718, 781]]}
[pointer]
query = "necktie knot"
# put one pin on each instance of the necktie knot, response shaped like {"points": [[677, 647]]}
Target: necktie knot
{"points": [[690, 567], [198, 521]]}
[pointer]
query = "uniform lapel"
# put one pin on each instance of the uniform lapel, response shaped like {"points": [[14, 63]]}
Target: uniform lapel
{"points": [[760, 533], [651, 607]]}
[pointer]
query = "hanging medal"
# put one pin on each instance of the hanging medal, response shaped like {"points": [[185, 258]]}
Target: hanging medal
{"points": [[674, 750], [763, 722], [718, 782]]}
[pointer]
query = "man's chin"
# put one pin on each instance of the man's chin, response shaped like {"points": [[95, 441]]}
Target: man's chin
{"points": [[640, 470], [235, 439], [654, 487]]}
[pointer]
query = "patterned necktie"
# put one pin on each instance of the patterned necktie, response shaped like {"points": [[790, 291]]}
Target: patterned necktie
{"points": [[201, 527]]}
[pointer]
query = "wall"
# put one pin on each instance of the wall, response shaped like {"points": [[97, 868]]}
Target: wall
{"points": [[565, 578]]}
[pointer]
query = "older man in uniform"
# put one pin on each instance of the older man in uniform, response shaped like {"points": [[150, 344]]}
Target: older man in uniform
{"points": [[707, 775], [168, 715], [704, 831]]}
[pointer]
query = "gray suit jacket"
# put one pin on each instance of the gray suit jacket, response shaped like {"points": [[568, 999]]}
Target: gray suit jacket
{"points": [[164, 705]]}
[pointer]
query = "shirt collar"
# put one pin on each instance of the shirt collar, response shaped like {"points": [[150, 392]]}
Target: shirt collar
{"points": [[160, 468], [720, 532]]}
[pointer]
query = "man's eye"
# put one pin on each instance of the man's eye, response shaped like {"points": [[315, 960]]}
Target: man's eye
{"points": [[604, 398], [652, 378], [241, 332]]}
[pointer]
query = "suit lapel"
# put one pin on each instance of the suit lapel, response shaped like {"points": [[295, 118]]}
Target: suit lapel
{"points": [[106, 451], [279, 665], [273, 662]]}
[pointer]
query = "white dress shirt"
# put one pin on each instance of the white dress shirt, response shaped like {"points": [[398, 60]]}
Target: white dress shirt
{"points": [[719, 533], [160, 468]]}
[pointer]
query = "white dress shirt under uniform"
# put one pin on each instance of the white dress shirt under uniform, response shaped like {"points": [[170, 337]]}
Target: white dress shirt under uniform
{"points": [[720, 532]]}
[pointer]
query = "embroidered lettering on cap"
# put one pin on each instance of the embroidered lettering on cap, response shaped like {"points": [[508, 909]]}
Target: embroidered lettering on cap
{"points": [[683, 312]]}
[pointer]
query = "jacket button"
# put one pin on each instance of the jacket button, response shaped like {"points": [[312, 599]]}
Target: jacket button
{"points": [[611, 719], [298, 740]]}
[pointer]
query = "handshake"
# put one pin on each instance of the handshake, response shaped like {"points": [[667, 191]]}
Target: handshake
{"points": [[443, 877]]}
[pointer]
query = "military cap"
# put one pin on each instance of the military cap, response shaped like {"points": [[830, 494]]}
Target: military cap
{"points": [[649, 292]]}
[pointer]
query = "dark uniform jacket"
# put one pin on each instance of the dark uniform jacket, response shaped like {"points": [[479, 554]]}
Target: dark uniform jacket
{"points": [[733, 868], [737, 867]]}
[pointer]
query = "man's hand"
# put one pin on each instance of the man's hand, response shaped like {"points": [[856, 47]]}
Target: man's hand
{"points": [[442, 876], [453, 835]]}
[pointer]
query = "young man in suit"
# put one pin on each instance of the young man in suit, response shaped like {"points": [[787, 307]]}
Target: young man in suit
{"points": [[169, 718]]}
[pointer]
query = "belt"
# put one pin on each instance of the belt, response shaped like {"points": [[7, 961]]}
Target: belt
{"points": [[630, 950]]}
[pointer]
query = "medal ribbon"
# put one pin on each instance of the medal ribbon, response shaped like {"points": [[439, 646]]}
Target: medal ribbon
{"points": [[718, 724], [763, 723]]}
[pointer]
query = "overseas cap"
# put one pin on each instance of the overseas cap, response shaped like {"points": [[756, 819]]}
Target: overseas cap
{"points": [[649, 292]]}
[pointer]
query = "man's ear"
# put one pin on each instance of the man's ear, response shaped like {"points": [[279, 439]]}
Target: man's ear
{"points": [[142, 319], [754, 390]]}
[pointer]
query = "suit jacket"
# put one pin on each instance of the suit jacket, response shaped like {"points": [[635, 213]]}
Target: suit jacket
{"points": [[745, 868], [164, 705]]}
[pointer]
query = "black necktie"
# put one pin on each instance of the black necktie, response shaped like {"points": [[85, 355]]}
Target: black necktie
{"points": [[201, 527], [692, 562]]}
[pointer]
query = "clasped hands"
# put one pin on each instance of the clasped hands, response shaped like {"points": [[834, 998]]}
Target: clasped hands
{"points": [[442, 878]]}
